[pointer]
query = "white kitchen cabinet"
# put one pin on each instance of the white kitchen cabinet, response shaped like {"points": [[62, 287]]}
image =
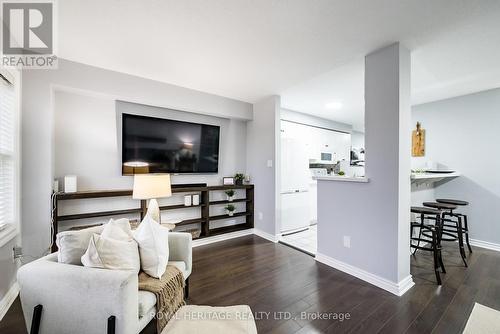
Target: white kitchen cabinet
{"points": [[299, 144], [313, 201], [327, 141]]}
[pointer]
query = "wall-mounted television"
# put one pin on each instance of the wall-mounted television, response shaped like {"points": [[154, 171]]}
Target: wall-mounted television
{"points": [[158, 145]]}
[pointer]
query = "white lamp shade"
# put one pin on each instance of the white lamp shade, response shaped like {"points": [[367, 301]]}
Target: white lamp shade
{"points": [[147, 186]]}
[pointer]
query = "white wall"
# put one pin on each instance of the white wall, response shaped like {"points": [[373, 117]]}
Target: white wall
{"points": [[263, 147], [376, 215], [301, 118], [38, 136], [463, 134], [7, 265], [357, 139], [7, 274]]}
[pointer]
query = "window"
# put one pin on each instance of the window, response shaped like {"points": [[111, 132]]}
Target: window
{"points": [[9, 133]]}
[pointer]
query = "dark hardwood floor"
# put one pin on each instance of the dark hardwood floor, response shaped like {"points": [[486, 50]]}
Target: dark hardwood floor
{"points": [[274, 278]]}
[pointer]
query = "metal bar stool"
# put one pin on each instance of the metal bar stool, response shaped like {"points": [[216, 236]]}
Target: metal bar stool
{"points": [[452, 225], [465, 228], [428, 234]]}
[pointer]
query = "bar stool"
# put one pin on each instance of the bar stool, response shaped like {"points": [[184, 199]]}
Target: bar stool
{"points": [[465, 228], [451, 225], [428, 234]]}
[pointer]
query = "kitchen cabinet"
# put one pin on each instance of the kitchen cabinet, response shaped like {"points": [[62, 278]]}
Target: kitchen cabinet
{"points": [[313, 201], [318, 140], [299, 144]]}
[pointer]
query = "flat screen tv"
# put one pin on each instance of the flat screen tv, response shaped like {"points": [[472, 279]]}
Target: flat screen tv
{"points": [[157, 145]]}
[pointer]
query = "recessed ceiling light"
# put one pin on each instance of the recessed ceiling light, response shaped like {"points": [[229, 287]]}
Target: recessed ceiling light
{"points": [[333, 105]]}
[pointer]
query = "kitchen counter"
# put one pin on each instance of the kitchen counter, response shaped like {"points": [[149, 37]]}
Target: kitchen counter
{"points": [[416, 178], [341, 178], [428, 178]]}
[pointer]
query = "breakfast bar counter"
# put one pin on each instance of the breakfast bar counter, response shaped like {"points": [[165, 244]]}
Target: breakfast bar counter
{"points": [[341, 178], [429, 178]]}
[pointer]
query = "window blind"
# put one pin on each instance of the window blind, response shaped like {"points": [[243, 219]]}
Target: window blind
{"points": [[7, 153]]}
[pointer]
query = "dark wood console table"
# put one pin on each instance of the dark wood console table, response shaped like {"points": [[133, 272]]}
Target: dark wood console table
{"points": [[205, 204]]}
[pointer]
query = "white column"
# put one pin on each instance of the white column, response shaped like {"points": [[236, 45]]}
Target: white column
{"points": [[387, 139], [263, 164], [375, 215]]}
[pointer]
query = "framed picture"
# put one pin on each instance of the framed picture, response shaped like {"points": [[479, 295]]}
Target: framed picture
{"points": [[228, 181], [357, 156]]}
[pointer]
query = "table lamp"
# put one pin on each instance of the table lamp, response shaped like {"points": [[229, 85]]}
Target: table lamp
{"points": [[152, 186]]}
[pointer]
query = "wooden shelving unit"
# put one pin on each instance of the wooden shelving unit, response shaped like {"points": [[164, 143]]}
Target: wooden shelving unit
{"points": [[238, 214], [178, 206], [227, 229], [238, 200], [205, 204]]}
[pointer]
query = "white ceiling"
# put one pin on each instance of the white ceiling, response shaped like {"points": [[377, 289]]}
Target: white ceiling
{"points": [[249, 49], [461, 60]]}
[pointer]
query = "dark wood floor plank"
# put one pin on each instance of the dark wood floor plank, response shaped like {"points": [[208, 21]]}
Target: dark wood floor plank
{"points": [[437, 308], [13, 321], [370, 302]]}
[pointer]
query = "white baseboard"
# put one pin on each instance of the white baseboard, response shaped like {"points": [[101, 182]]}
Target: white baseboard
{"points": [[265, 235], [222, 237], [398, 289], [8, 299], [297, 230], [404, 285], [232, 235], [485, 244]]}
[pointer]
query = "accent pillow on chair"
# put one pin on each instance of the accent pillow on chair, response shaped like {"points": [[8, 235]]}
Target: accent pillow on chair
{"points": [[153, 247], [73, 244], [112, 254], [118, 229]]}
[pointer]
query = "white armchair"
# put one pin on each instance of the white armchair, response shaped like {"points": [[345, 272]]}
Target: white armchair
{"points": [[64, 298]]}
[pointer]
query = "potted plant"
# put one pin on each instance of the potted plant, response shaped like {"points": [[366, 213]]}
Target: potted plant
{"points": [[341, 173], [230, 209], [238, 178], [230, 195]]}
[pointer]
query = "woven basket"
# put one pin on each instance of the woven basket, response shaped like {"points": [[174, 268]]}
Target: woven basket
{"points": [[195, 233]]}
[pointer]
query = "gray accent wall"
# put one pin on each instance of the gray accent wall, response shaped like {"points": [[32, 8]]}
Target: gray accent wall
{"points": [[463, 134], [91, 150], [38, 127]]}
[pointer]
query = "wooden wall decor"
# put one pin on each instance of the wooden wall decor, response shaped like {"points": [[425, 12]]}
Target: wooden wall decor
{"points": [[418, 142]]}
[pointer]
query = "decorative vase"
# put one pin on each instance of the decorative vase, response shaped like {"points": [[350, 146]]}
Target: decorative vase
{"points": [[230, 198], [230, 213], [196, 200], [239, 182]]}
